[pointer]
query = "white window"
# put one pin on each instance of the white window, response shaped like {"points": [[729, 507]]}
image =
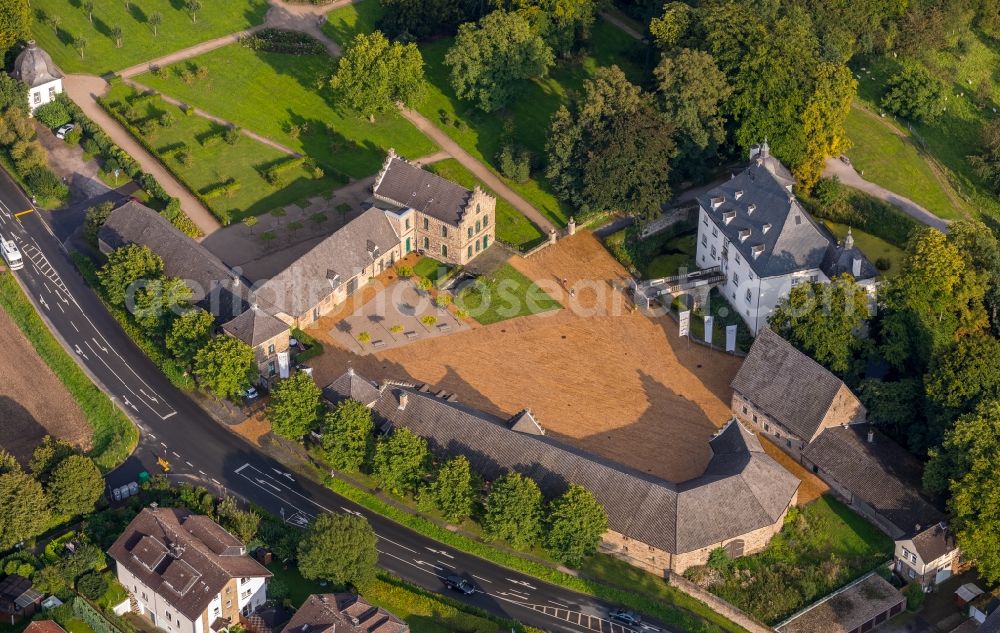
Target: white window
{"points": [[715, 231], [736, 279], [244, 581], [704, 220], [704, 240], [38, 96], [749, 296], [713, 253], [737, 258]]}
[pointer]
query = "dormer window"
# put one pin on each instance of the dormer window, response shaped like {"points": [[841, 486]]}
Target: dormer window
{"points": [[757, 250], [717, 202], [739, 194], [767, 227], [744, 234], [751, 208], [333, 278], [789, 188], [728, 216]]}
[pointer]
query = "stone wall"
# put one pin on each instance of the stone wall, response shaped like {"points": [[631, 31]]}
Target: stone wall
{"points": [[717, 604]]}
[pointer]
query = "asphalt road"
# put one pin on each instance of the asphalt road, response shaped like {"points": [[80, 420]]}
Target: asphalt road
{"points": [[174, 426]]}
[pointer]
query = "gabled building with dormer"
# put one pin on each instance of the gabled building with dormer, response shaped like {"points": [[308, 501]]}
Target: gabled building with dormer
{"points": [[760, 238]]}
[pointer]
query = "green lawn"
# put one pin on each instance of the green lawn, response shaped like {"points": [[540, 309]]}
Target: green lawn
{"points": [[114, 435], [359, 17], [76, 625], [424, 612], [511, 225], [286, 98], [676, 254], [176, 32], [506, 294], [895, 163], [822, 546], [245, 162], [430, 268], [873, 247]]}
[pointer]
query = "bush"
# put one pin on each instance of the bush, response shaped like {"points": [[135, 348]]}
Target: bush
{"points": [[212, 138], [287, 42], [167, 151], [913, 93], [53, 114], [227, 188], [840, 204], [231, 135], [92, 585], [914, 596], [73, 136], [44, 184], [515, 163], [883, 264], [274, 174], [90, 147]]}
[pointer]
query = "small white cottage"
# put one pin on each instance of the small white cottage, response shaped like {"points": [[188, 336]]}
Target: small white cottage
{"points": [[35, 68]]}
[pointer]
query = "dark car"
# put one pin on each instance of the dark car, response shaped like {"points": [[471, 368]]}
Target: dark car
{"points": [[459, 584], [625, 617]]}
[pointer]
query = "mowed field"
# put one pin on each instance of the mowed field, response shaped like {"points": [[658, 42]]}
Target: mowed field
{"points": [[33, 403], [608, 380]]}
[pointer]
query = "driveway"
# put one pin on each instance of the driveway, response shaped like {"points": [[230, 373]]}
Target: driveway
{"points": [[850, 177]]}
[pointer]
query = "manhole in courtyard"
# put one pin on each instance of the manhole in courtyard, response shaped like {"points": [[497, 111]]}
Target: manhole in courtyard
{"points": [[699, 366]]}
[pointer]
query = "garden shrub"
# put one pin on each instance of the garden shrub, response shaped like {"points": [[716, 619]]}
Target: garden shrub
{"points": [[226, 188], [279, 41], [514, 163], [43, 183], [214, 137], [92, 585], [914, 596], [833, 201], [274, 174], [73, 136], [167, 151], [53, 114], [90, 147], [231, 135]]}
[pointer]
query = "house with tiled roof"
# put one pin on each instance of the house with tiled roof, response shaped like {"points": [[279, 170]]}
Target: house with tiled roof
{"points": [[185, 573], [929, 556], [738, 503], [268, 336], [788, 397], [35, 68], [343, 613], [760, 238]]}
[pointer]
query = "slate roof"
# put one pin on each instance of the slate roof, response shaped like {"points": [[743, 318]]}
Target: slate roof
{"points": [[216, 288], [351, 386], [334, 261], [786, 385], [742, 489], [934, 542], [992, 623], [848, 609], [840, 259], [255, 326], [186, 558], [34, 66], [407, 186], [342, 613], [881, 473], [793, 241]]}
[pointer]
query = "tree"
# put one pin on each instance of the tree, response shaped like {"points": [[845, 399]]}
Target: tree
{"points": [[125, 266], [24, 509], [896, 408], [821, 320], [88, 8], [250, 221], [959, 378], [981, 249], [491, 57], [80, 45], [8, 463], [936, 299], [400, 461], [513, 511], [189, 332], [575, 522], [823, 120], [609, 150], [563, 24], [987, 162], [408, 20], [13, 94], [243, 523], [669, 29], [54, 21], [192, 7], [94, 219], [155, 19], [913, 93], [294, 406], [48, 455], [225, 366], [967, 465], [374, 74], [15, 23], [338, 548], [347, 435], [75, 486], [158, 302], [452, 491], [690, 91], [118, 35]]}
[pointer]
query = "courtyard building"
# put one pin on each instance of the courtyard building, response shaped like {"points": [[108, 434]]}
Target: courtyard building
{"points": [[757, 235], [34, 67], [268, 336], [343, 613], [738, 503], [928, 557], [185, 573], [788, 397]]}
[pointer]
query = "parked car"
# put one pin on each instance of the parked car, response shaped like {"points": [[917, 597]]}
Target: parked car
{"points": [[251, 393], [624, 616], [457, 583], [64, 130], [116, 494]]}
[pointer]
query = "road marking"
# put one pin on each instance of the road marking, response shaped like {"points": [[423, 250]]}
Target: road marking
{"points": [[80, 352], [483, 579], [202, 473], [240, 469], [152, 436], [522, 583], [42, 301], [174, 453], [423, 562], [125, 384], [163, 445], [101, 347], [74, 327], [216, 481], [558, 604], [189, 464], [440, 552], [128, 403], [143, 392], [266, 483]]}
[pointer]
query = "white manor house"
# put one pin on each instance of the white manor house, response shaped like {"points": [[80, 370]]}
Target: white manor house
{"points": [[763, 242]]}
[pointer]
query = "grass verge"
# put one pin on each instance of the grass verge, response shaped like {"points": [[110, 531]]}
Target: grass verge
{"points": [[504, 294], [114, 434]]}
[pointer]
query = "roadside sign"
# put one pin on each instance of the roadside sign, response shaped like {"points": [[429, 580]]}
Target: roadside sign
{"points": [[685, 323], [708, 329], [730, 338]]}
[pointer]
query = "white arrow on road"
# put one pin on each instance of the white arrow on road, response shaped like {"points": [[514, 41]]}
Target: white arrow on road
{"points": [[151, 398], [421, 562], [522, 583], [129, 403], [267, 483], [99, 346], [42, 301], [284, 474], [349, 511], [440, 552], [80, 352]]}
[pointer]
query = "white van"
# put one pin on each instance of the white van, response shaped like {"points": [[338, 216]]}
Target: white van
{"points": [[11, 254]]}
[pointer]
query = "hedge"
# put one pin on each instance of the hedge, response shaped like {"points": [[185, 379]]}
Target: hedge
{"points": [[99, 622], [220, 189], [212, 138], [273, 173], [114, 434], [287, 42], [168, 151]]}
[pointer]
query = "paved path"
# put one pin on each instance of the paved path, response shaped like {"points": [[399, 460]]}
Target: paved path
{"points": [[84, 90], [479, 170], [188, 53], [850, 177]]}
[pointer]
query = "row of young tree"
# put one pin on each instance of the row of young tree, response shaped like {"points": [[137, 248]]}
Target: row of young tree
{"points": [[60, 483], [927, 370], [511, 508], [133, 283]]}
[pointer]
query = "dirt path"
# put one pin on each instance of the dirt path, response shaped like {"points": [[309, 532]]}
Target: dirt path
{"points": [[479, 170], [850, 177], [623, 25], [84, 90]]}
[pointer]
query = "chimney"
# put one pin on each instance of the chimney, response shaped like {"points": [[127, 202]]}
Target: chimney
{"points": [[404, 398], [856, 267], [871, 436]]}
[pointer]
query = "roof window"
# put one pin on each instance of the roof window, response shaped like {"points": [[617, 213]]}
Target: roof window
{"points": [[728, 216], [757, 250], [767, 227], [744, 235], [717, 202], [739, 194]]}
